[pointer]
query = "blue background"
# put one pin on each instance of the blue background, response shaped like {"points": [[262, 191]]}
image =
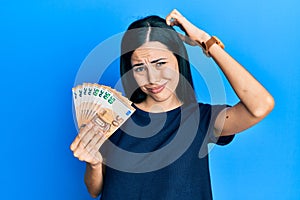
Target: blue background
{"points": [[43, 44]]}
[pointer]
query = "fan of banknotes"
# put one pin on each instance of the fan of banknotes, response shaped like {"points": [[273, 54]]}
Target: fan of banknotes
{"points": [[107, 107]]}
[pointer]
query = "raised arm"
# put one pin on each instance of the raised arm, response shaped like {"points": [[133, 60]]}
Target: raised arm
{"points": [[255, 101]]}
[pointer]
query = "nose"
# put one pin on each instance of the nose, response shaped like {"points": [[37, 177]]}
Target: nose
{"points": [[153, 75]]}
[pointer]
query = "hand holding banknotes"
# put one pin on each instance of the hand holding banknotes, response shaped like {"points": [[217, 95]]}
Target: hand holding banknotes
{"points": [[100, 111], [87, 143]]}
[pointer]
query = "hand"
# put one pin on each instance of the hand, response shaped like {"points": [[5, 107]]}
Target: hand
{"points": [[194, 35], [86, 145]]}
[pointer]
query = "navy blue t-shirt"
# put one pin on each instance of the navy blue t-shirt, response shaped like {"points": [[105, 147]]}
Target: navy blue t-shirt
{"points": [[162, 156]]}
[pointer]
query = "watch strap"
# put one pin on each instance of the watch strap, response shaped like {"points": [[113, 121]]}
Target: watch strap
{"points": [[213, 40]]}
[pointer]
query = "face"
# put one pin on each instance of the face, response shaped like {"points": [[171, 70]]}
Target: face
{"points": [[155, 70]]}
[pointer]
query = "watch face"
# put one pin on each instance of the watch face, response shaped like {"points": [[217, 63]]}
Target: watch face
{"points": [[210, 42], [213, 40]]}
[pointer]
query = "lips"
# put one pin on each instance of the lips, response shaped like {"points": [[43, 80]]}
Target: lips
{"points": [[156, 89]]}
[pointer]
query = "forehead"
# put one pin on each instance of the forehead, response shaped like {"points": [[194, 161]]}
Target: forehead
{"points": [[151, 50]]}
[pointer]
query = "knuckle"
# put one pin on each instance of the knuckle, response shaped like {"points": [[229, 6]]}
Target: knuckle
{"points": [[75, 154], [80, 158], [89, 148]]}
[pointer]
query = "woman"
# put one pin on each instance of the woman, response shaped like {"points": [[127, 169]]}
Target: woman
{"points": [[156, 77]]}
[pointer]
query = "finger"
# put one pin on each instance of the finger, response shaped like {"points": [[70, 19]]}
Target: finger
{"points": [[174, 18], [93, 142], [84, 130], [89, 135], [169, 18], [101, 140], [90, 158], [78, 140], [84, 156], [75, 143], [78, 150], [93, 153], [96, 147], [82, 153]]}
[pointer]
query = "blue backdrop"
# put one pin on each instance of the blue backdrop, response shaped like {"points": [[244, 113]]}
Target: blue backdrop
{"points": [[43, 44]]}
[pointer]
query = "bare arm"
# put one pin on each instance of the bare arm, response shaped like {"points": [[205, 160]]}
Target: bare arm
{"points": [[255, 101], [93, 178]]}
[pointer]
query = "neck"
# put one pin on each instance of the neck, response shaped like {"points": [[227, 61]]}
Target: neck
{"points": [[150, 105]]}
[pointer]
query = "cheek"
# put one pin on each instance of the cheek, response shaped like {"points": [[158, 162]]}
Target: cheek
{"points": [[140, 79], [173, 77], [171, 74]]}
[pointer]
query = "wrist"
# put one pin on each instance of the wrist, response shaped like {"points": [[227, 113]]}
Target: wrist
{"points": [[205, 37], [97, 165], [209, 43], [201, 37]]}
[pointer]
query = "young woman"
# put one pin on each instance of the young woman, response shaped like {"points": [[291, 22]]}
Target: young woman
{"points": [[168, 121]]}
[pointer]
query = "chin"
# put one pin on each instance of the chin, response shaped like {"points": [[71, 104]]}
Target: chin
{"points": [[161, 97]]}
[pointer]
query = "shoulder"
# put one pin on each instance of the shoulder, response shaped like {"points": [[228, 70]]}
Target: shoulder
{"points": [[208, 117], [211, 111]]}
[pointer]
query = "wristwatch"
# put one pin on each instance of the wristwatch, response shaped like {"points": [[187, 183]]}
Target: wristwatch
{"points": [[213, 40]]}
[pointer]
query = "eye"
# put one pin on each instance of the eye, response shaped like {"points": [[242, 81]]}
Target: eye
{"points": [[139, 69], [159, 64]]}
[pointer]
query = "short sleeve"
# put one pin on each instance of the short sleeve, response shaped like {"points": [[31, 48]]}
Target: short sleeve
{"points": [[209, 115]]}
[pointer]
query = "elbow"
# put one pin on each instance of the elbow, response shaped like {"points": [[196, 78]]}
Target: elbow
{"points": [[265, 108], [94, 195]]}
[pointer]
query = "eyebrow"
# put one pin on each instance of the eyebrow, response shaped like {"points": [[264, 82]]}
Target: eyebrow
{"points": [[153, 61]]}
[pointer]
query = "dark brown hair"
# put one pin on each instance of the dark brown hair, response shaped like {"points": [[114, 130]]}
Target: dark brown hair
{"points": [[154, 28]]}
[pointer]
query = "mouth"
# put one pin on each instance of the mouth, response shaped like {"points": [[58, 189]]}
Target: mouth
{"points": [[156, 89]]}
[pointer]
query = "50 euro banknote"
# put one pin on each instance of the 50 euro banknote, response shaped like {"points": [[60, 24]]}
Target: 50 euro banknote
{"points": [[107, 107]]}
